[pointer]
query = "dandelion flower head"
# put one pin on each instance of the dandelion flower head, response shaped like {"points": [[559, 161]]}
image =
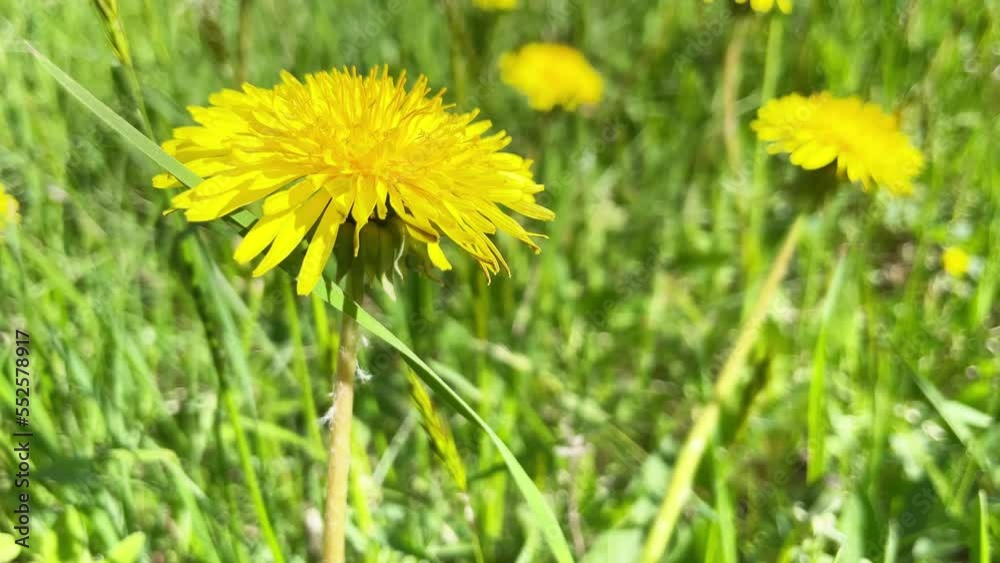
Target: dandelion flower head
{"points": [[495, 5], [955, 261], [9, 209], [865, 142], [765, 6], [551, 74], [339, 151]]}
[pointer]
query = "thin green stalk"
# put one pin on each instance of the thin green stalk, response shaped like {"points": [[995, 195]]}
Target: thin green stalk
{"points": [[491, 507], [230, 499], [463, 55], [817, 382], [752, 249], [359, 496], [243, 42], [725, 526], [339, 460], [725, 390], [984, 527], [891, 543], [732, 71], [115, 30], [321, 326], [255, 301], [249, 473], [299, 366]]}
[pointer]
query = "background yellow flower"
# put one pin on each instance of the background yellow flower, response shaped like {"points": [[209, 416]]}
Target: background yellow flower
{"points": [[764, 6], [497, 5], [9, 209], [552, 74], [767, 5], [865, 142], [955, 261]]}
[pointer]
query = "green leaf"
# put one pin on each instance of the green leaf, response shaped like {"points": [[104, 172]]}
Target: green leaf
{"points": [[852, 524], [617, 544], [72, 536], [957, 419], [962, 415], [544, 517], [129, 549], [8, 549]]}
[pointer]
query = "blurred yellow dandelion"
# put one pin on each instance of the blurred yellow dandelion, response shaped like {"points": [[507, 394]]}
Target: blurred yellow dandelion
{"points": [[955, 261], [495, 5], [765, 6], [9, 209], [552, 74], [865, 141], [345, 149]]}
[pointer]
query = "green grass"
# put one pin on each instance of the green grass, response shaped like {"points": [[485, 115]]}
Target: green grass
{"points": [[592, 363]]}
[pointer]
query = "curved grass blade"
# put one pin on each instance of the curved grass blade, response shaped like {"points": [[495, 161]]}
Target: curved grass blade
{"points": [[136, 139], [544, 517]]}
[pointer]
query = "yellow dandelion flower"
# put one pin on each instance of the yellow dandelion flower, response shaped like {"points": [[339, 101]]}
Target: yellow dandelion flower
{"points": [[342, 149], [9, 214], [764, 6], [865, 141], [955, 261], [495, 5], [551, 74]]}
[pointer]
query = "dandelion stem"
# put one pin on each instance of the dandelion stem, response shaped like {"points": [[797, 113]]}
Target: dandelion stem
{"points": [[339, 460], [725, 389]]}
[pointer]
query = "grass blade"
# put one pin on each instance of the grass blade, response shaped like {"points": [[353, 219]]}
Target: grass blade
{"points": [[439, 432], [136, 139], [984, 528], [724, 511], [817, 383]]}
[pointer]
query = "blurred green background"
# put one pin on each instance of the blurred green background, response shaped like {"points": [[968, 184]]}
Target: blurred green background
{"points": [[592, 362]]}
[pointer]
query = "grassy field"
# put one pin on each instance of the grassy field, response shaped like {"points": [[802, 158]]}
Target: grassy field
{"points": [[863, 425]]}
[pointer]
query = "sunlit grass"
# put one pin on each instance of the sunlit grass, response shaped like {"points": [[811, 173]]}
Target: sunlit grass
{"points": [[592, 364]]}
